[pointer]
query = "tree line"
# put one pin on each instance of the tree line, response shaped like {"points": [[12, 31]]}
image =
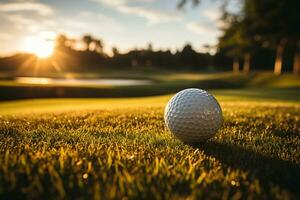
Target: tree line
{"points": [[269, 29], [87, 54], [186, 58], [263, 35]]}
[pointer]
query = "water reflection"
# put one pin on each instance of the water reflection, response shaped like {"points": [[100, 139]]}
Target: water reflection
{"points": [[79, 82]]}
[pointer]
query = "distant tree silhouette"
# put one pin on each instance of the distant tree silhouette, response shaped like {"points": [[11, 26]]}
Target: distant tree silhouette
{"points": [[98, 45], [115, 51], [87, 40], [71, 43], [61, 41], [150, 47], [67, 58], [208, 48], [189, 57]]}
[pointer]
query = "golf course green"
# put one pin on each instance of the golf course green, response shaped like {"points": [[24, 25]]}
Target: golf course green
{"points": [[108, 148]]}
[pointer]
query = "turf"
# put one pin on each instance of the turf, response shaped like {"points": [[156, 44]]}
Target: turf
{"points": [[120, 148]]}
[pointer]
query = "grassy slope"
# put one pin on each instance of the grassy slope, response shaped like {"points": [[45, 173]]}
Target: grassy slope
{"points": [[119, 147]]}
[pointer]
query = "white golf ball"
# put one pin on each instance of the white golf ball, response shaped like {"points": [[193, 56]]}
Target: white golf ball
{"points": [[193, 115]]}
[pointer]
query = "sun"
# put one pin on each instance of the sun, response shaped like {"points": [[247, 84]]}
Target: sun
{"points": [[40, 46]]}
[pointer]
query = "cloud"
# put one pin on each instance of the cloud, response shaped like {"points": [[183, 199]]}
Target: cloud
{"points": [[122, 2], [112, 2], [31, 25], [90, 19], [96, 24], [19, 19], [153, 16], [208, 34], [209, 24], [214, 16], [39, 8], [200, 28], [27, 16]]}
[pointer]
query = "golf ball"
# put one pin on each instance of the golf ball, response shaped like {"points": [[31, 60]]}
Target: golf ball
{"points": [[193, 115]]}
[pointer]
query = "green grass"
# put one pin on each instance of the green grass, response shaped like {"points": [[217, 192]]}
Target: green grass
{"points": [[280, 96], [120, 148], [164, 82], [213, 80]]}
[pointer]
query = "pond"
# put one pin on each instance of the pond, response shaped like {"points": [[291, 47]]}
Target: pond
{"points": [[81, 82]]}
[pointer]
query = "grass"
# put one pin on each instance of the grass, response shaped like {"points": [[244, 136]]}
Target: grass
{"points": [[280, 96], [165, 82], [120, 148], [262, 79]]}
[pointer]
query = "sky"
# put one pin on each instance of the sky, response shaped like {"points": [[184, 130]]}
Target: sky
{"points": [[125, 24]]}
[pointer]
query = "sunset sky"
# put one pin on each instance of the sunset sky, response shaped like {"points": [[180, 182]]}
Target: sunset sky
{"points": [[122, 23]]}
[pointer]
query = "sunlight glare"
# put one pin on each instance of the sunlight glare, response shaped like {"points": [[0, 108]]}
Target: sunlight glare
{"points": [[33, 80], [39, 45]]}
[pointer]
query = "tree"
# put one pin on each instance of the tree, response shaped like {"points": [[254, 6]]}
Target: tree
{"points": [[71, 43], [296, 65], [275, 22], [271, 22], [238, 39], [115, 51], [87, 40], [232, 42], [150, 47], [208, 48], [188, 57], [61, 41], [266, 22], [98, 46]]}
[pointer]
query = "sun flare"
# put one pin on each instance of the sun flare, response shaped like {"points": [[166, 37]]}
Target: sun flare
{"points": [[40, 46]]}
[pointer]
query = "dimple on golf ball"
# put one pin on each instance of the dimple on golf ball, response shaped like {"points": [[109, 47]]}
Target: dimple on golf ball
{"points": [[193, 115]]}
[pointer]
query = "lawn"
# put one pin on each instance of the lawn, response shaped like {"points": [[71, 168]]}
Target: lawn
{"points": [[116, 148]]}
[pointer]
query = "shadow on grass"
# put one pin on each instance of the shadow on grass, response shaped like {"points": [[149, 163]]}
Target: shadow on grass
{"points": [[268, 170]]}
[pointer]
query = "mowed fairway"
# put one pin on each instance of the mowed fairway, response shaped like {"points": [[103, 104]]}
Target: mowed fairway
{"points": [[115, 148]]}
